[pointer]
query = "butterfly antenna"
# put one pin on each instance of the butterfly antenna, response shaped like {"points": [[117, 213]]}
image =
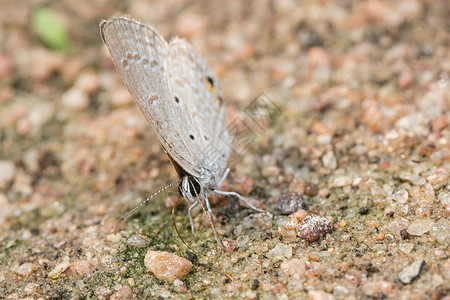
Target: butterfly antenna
{"points": [[176, 228], [116, 226]]}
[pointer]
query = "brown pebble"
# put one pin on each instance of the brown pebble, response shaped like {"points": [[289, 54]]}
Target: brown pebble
{"points": [[313, 256], [319, 128], [426, 150], [439, 123], [293, 267], [26, 269], [244, 185], [81, 267], [6, 66], [318, 57], [290, 203], [179, 286], [311, 189], [167, 266], [405, 78], [103, 291], [300, 214], [314, 227], [230, 245], [404, 234], [124, 293]]}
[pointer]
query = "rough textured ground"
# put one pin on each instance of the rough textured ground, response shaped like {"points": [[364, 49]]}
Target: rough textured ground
{"points": [[364, 93]]}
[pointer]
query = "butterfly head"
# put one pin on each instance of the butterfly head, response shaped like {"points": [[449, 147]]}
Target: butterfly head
{"points": [[189, 188]]}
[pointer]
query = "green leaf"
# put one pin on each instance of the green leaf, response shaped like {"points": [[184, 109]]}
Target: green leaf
{"points": [[50, 29]]}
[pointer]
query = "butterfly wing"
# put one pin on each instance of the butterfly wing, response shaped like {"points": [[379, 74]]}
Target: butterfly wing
{"points": [[140, 55], [196, 87]]}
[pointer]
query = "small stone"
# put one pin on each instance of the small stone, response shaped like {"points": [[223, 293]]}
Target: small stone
{"points": [[341, 181], [59, 269], [319, 295], [103, 291], [242, 241], [439, 123], [167, 266], [26, 269], [138, 241], [75, 99], [311, 189], [375, 288], [404, 234], [444, 197], [400, 196], [314, 227], [190, 23], [313, 256], [179, 286], [297, 185], [6, 66], [440, 230], [291, 224], [300, 214], [121, 97], [81, 267], [409, 273], [114, 238], [363, 210], [262, 221], [439, 177], [270, 171], [406, 247], [279, 252], [329, 160], [7, 170], [124, 293], [294, 267], [419, 227], [397, 225], [31, 288], [413, 178], [290, 203], [230, 245], [255, 284], [320, 128], [88, 82], [318, 57], [405, 78]]}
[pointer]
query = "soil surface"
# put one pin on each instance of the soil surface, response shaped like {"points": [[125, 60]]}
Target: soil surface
{"points": [[346, 103]]}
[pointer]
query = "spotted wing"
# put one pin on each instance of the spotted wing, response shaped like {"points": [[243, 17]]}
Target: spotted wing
{"points": [[140, 55], [196, 87]]}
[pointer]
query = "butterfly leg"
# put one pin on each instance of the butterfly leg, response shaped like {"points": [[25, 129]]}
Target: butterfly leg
{"points": [[190, 216], [240, 197], [216, 234], [224, 176]]}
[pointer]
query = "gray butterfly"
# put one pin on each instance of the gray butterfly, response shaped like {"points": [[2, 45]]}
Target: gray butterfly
{"points": [[178, 93]]}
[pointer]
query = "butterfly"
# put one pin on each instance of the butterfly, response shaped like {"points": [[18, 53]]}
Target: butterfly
{"points": [[179, 94]]}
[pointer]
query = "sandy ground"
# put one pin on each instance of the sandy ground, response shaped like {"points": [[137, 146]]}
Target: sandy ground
{"points": [[360, 92]]}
